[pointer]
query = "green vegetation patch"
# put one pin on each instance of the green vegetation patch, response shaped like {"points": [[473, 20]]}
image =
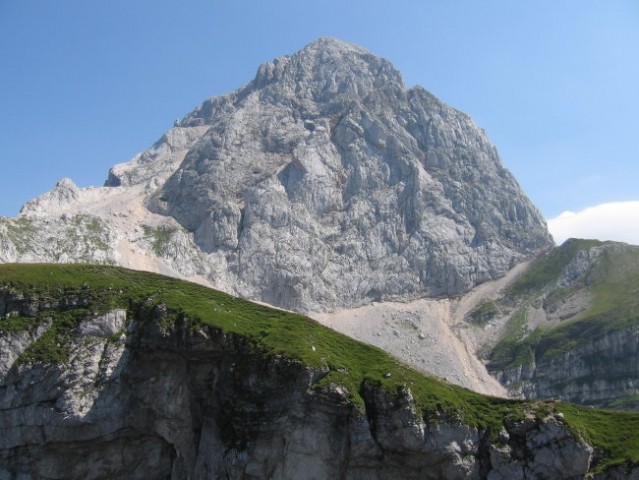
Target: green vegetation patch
{"points": [[77, 238], [616, 433], [548, 268], [53, 345], [160, 237], [14, 324], [20, 231], [629, 402], [484, 313], [82, 236], [510, 351], [91, 230], [614, 288]]}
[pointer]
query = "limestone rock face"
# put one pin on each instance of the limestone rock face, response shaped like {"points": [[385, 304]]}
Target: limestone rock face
{"points": [[154, 164], [325, 183], [602, 373], [64, 193], [140, 397]]}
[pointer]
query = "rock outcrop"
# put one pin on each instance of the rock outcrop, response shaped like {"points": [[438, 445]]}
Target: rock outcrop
{"points": [[602, 372], [324, 183], [142, 393]]}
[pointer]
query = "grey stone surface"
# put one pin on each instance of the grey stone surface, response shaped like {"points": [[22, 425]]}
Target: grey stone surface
{"points": [[324, 183], [64, 193], [104, 325]]}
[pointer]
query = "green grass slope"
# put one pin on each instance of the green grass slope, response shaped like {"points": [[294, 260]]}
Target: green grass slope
{"points": [[276, 332], [612, 283]]}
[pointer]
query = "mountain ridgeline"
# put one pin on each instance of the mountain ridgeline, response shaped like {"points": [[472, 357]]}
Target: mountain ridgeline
{"points": [[326, 183], [323, 183]]}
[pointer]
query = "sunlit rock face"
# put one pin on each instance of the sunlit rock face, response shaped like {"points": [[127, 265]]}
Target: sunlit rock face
{"points": [[326, 183], [322, 184]]}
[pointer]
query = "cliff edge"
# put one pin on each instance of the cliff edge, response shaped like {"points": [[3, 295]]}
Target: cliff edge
{"points": [[110, 373]]}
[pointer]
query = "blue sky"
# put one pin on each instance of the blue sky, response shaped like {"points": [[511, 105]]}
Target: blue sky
{"points": [[87, 84]]}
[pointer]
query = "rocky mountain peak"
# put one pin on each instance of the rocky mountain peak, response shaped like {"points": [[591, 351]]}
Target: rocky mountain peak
{"points": [[329, 68], [325, 183], [333, 46], [321, 184], [65, 192]]}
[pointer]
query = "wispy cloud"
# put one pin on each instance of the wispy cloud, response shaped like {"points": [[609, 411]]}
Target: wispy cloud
{"points": [[609, 221]]}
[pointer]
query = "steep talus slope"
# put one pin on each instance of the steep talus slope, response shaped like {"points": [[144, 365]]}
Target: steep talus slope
{"points": [[324, 183], [110, 373], [421, 333], [570, 326], [430, 334]]}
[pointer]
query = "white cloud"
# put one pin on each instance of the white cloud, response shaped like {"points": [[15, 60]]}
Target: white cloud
{"points": [[617, 221]]}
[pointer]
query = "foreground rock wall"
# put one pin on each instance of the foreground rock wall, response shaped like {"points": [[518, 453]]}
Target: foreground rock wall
{"points": [[603, 372], [143, 397]]}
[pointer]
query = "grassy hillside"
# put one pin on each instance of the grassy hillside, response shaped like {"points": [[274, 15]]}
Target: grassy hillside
{"points": [[351, 363], [612, 283], [548, 267]]}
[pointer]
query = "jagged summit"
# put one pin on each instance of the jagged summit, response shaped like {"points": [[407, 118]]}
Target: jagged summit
{"points": [[333, 45], [326, 182], [326, 74], [323, 183], [328, 69]]}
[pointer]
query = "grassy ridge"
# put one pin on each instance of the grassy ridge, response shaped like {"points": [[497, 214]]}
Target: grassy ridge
{"points": [[613, 283], [611, 431], [274, 331], [548, 268], [351, 363]]}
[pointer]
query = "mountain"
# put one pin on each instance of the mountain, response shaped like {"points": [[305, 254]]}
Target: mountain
{"points": [[112, 373], [325, 186], [322, 184]]}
